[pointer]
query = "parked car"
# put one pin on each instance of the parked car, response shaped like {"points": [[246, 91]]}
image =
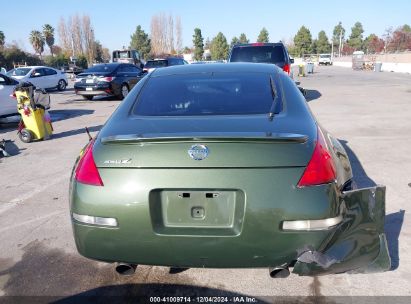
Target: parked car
{"points": [[325, 59], [41, 76], [110, 79], [223, 166], [275, 53], [151, 65], [8, 103]]}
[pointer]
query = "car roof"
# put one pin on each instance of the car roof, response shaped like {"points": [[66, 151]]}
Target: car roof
{"points": [[34, 67], [216, 67], [110, 63], [258, 44]]}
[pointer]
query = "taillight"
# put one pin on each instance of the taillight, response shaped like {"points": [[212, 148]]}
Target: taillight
{"points": [[286, 68], [106, 79], [86, 171], [320, 168]]}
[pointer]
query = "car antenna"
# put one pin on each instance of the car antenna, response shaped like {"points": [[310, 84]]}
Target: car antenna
{"points": [[274, 95], [89, 135]]}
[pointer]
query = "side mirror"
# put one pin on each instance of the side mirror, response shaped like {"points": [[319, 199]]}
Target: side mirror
{"points": [[292, 60], [35, 75]]}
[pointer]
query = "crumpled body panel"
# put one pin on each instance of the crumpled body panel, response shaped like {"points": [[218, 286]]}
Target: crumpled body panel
{"points": [[358, 244]]}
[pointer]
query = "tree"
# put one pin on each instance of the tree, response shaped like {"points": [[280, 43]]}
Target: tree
{"points": [[401, 39], [243, 38], [355, 41], [106, 55], [198, 43], [48, 33], [234, 41], [406, 28], [263, 36], [13, 54], [76, 37], [219, 47], [323, 45], [373, 44], [65, 37], [98, 56], [37, 41], [338, 37], [179, 35], [303, 41], [314, 46], [162, 34], [207, 44], [141, 42], [2, 40]]}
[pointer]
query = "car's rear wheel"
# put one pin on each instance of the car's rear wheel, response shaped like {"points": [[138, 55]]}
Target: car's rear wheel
{"points": [[124, 91], [88, 97], [61, 85]]}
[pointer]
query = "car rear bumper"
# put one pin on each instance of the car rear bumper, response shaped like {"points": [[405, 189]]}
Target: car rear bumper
{"points": [[100, 89], [147, 232]]}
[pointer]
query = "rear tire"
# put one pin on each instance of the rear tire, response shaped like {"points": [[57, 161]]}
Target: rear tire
{"points": [[61, 85], [25, 136], [88, 97]]}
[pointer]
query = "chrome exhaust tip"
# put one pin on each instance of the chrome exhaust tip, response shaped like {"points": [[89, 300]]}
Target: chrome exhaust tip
{"points": [[279, 272], [126, 269]]}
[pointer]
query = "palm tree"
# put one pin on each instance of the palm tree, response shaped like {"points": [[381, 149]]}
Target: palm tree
{"points": [[37, 41], [2, 40], [48, 33]]}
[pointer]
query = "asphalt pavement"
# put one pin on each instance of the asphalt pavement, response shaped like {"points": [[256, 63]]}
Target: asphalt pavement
{"points": [[368, 112]]}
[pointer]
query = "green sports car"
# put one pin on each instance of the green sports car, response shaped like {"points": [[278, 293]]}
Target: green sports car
{"points": [[223, 166]]}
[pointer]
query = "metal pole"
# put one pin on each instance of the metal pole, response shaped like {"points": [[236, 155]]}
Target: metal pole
{"points": [[339, 47]]}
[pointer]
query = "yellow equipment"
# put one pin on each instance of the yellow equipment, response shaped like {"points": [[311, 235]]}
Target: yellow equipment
{"points": [[35, 122], [301, 70]]}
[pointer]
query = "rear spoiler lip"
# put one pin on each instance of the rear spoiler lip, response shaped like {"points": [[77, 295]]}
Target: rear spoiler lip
{"points": [[239, 137]]}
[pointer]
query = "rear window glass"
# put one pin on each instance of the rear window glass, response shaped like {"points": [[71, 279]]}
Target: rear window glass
{"points": [[325, 56], [19, 72], [206, 94], [101, 68], [262, 54], [121, 54], [156, 64]]}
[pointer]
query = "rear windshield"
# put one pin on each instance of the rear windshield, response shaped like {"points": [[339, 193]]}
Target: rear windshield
{"points": [[101, 68], [156, 64], [206, 94], [121, 54], [19, 72], [262, 54], [325, 56]]}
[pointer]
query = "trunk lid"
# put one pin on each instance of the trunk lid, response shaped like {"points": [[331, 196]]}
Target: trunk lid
{"points": [[212, 142]]}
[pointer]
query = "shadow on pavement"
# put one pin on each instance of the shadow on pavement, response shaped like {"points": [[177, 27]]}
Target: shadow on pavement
{"points": [[76, 131], [57, 115], [11, 148], [392, 227], [312, 94], [360, 177], [393, 221]]}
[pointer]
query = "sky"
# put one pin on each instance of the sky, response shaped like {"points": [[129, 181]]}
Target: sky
{"points": [[114, 21]]}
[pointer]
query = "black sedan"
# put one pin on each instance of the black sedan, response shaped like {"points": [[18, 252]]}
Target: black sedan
{"points": [[110, 79]]}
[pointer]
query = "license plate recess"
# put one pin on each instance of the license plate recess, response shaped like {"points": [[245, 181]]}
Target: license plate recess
{"points": [[197, 212]]}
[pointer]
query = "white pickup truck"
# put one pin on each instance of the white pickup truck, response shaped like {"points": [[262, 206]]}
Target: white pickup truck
{"points": [[325, 59]]}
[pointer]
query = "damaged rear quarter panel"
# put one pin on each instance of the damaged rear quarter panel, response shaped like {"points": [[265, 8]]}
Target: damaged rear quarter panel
{"points": [[358, 243]]}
